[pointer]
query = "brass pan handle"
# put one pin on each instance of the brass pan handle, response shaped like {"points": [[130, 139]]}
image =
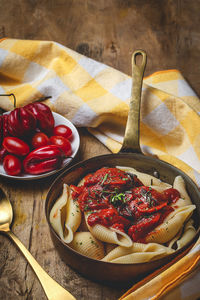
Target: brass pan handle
{"points": [[132, 132]]}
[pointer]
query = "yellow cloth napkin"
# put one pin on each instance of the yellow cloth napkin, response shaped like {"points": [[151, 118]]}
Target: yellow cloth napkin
{"points": [[177, 281], [96, 96]]}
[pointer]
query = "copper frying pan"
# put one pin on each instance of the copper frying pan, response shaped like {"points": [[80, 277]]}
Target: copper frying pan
{"points": [[130, 155]]}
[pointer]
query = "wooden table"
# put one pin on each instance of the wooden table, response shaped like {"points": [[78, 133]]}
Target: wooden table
{"points": [[107, 31]]}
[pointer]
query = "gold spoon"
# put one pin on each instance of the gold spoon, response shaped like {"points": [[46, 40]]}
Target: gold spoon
{"points": [[52, 289]]}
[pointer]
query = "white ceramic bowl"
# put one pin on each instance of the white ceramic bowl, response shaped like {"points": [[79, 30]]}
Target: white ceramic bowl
{"points": [[75, 143]]}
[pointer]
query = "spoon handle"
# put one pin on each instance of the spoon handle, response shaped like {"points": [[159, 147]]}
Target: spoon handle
{"points": [[52, 289]]}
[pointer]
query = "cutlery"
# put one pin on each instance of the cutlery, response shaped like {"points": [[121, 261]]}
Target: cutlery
{"points": [[51, 288]]}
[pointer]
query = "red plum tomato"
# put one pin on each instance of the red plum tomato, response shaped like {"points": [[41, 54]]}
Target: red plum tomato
{"points": [[40, 139], [62, 143], [12, 165], [16, 146], [63, 130]]}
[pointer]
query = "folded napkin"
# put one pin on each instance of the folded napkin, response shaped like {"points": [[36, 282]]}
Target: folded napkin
{"points": [[175, 281], [96, 96]]}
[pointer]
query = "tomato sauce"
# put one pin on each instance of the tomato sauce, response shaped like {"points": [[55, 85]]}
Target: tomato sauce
{"points": [[118, 199]]}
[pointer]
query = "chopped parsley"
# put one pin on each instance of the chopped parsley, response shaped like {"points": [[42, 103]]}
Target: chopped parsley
{"points": [[104, 179], [118, 198]]}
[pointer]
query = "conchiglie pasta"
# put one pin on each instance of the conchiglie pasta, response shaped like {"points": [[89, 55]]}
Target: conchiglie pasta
{"points": [[179, 203], [110, 235], [88, 245], [146, 179], [184, 236], [139, 257], [65, 216], [179, 184], [171, 225], [138, 253], [158, 188]]}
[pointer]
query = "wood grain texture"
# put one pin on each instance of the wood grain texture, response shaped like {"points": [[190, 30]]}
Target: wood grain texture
{"points": [[108, 31]]}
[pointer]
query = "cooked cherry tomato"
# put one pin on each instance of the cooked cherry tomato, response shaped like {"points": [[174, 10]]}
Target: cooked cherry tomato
{"points": [[12, 165], [63, 130], [40, 139], [62, 143], [16, 146]]}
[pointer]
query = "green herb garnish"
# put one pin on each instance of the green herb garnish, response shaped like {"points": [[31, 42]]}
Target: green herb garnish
{"points": [[117, 198], [104, 179]]}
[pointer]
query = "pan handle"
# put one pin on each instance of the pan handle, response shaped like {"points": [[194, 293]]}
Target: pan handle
{"points": [[132, 132]]}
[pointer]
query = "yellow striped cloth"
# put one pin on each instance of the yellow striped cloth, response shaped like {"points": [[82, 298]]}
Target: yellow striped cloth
{"points": [[177, 281], [96, 96]]}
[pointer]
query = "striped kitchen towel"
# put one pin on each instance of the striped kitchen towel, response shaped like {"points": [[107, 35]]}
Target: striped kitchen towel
{"points": [[96, 96], [179, 280]]}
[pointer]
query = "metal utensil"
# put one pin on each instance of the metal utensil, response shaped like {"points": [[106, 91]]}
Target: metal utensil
{"points": [[52, 289]]}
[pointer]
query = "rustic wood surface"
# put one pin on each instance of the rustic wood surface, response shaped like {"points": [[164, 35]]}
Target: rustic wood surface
{"points": [[107, 31]]}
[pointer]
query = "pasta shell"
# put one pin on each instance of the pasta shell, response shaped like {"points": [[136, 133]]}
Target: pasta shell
{"points": [[158, 188], [110, 235], [179, 184], [146, 179], [137, 253], [179, 203], [184, 237], [88, 245], [171, 226], [65, 215]]}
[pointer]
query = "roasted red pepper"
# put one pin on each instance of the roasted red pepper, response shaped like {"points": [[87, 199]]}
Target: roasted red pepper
{"points": [[118, 199], [107, 217], [108, 176], [43, 159], [44, 116], [21, 122], [143, 226]]}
